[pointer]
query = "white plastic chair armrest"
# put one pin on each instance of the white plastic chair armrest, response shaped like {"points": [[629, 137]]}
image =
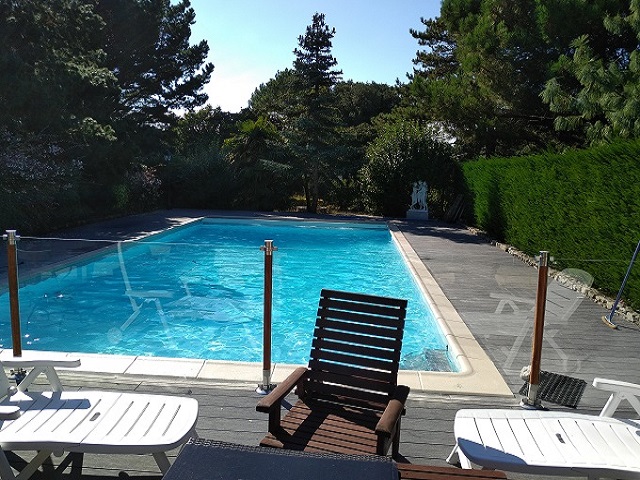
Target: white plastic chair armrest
{"points": [[9, 412], [39, 362], [619, 391], [29, 361], [610, 385]]}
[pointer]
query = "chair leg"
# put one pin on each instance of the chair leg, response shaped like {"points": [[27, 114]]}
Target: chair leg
{"points": [[457, 457], [274, 420], [162, 461], [453, 458], [6, 472], [75, 459], [395, 445]]}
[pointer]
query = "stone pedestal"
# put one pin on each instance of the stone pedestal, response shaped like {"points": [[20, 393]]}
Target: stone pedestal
{"points": [[417, 214]]}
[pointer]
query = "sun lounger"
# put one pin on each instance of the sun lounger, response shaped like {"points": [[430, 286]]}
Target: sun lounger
{"points": [[85, 421], [554, 443]]}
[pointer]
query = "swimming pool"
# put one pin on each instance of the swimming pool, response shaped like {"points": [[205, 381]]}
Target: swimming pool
{"points": [[196, 292]]}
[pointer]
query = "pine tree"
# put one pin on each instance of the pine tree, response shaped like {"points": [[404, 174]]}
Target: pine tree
{"points": [[316, 124], [596, 89], [314, 61], [487, 62]]}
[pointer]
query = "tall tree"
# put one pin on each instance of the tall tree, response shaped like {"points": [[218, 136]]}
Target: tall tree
{"points": [[314, 129], [314, 62], [488, 64], [360, 105], [278, 99], [52, 72], [148, 50], [158, 73], [53, 83], [438, 59], [91, 86], [483, 76], [596, 89]]}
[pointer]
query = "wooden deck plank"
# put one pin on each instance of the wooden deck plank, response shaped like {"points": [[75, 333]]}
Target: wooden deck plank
{"points": [[428, 472]]}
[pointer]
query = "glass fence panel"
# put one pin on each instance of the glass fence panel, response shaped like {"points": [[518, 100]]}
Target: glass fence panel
{"points": [[199, 294]]}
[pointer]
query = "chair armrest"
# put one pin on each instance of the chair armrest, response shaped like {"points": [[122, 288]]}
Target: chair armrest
{"points": [[619, 391], [283, 389], [39, 362], [33, 358], [9, 412], [271, 403], [395, 409]]}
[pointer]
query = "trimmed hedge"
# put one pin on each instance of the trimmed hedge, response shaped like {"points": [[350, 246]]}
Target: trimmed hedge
{"points": [[583, 206]]}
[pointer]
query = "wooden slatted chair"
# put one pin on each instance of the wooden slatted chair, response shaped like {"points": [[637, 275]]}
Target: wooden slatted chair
{"points": [[349, 399]]}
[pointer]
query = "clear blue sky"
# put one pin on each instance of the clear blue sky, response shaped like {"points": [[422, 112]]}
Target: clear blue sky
{"points": [[251, 41]]}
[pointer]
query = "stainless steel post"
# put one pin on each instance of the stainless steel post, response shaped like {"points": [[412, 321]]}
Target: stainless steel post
{"points": [[608, 319]]}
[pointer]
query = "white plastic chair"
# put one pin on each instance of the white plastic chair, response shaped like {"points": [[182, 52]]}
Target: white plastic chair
{"points": [[554, 442], [84, 421]]}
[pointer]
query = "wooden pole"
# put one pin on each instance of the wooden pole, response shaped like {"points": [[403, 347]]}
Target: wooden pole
{"points": [[538, 331], [14, 304], [268, 250]]}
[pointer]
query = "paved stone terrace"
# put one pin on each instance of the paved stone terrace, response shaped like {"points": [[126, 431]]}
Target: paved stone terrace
{"points": [[472, 273]]}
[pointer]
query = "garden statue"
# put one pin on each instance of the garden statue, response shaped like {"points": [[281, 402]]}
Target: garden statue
{"points": [[418, 210], [419, 196]]}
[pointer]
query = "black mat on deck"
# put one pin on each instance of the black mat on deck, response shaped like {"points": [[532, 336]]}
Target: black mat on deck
{"points": [[559, 389]]}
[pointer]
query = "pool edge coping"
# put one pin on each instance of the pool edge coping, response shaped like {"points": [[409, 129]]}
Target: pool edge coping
{"points": [[478, 374]]}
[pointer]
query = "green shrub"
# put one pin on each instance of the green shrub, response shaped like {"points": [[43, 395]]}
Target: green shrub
{"points": [[582, 206], [404, 153], [201, 179]]}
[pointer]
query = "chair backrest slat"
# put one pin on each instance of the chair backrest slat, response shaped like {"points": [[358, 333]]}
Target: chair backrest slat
{"points": [[320, 344], [363, 298], [369, 330], [358, 317], [348, 396], [349, 337], [320, 367], [355, 354], [355, 360]]}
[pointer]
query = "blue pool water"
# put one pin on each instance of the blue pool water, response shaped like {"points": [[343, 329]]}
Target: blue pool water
{"points": [[197, 292]]}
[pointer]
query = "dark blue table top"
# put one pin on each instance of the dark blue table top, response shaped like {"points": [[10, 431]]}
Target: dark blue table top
{"points": [[202, 459]]}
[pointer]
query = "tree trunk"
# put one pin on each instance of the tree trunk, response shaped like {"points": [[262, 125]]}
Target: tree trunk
{"points": [[307, 192], [315, 175]]}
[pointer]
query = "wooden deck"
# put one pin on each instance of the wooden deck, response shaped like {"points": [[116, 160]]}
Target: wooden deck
{"points": [[469, 270], [227, 413]]}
